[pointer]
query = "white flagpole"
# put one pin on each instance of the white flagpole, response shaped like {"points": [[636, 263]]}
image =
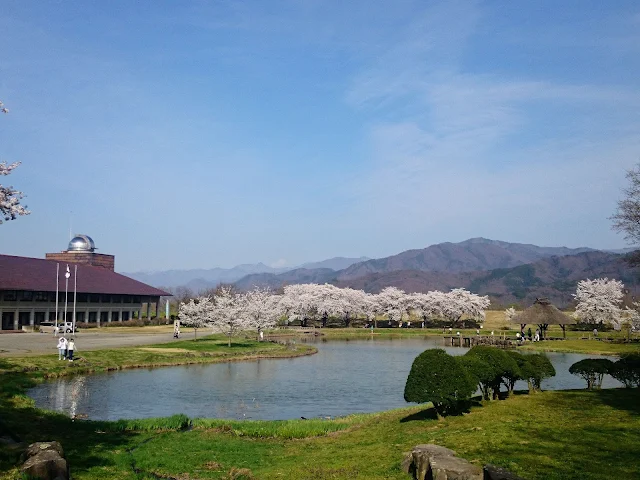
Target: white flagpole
{"points": [[66, 298], [75, 289], [57, 282]]}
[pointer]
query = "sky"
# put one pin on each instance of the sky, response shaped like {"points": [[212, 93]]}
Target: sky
{"points": [[199, 134]]}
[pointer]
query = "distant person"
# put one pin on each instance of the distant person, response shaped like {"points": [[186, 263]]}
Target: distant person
{"points": [[261, 335], [422, 325], [62, 348], [529, 334], [595, 332], [536, 338], [70, 348], [176, 329]]}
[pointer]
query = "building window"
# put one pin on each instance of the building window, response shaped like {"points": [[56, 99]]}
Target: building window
{"points": [[25, 296], [115, 316], [83, 298], [125, 316], [126, 299], [104, 317], [137, 299], [41, 296], [93, 317], [10, 295], [39, 318], [94, 298], [105, 298]]}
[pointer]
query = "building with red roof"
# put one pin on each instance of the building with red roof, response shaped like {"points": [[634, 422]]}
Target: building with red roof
{"points": [[28, 288]]}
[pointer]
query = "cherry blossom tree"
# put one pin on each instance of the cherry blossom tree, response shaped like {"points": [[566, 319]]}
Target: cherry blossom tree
{"points": [[229, 314], [459, 302], [196, 313], [393, 303], [599, 301], [509, 313], [299, 302], [371, 308], [10, 207], [261, 308], [633, 317]]}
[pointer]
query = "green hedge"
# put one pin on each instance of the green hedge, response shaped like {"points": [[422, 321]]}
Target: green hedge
{"points": [[592, 370], [439, 378]]}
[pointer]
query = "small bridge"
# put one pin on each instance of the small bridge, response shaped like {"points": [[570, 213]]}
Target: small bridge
{"points": [[471, 341]]}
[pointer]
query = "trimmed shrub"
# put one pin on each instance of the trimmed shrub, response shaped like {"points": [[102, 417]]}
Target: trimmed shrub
{"points": [[592, 370], [481, 372], [627, 370], [503, 367], [534, 368], [439, 378]]}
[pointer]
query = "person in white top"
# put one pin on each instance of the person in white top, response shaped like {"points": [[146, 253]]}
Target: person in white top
{"points": [[70, 348], [62, 348]]}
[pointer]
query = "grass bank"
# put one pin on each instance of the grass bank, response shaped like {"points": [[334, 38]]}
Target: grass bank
{"points": [[209, 349], [589, 435]]}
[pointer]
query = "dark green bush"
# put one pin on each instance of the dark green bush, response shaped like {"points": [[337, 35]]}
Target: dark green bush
{"points": [[627, 370], [503, 367], [481, 372], [592, 370], [439, 378], [534, 368]]}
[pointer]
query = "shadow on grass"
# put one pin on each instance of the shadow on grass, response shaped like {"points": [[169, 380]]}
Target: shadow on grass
{"points": [[621, 398], [426, 414]]}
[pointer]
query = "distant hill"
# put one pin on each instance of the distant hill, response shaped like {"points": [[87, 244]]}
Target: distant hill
{"points": [[336, 263], [554, 277], [202, 279], [300, 275], [470, 255]]}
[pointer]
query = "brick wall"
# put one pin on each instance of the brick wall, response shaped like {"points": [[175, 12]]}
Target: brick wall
{"points": [[84, 258]]}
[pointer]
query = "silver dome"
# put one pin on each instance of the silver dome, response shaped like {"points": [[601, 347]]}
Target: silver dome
{"points": [[81, 243]]}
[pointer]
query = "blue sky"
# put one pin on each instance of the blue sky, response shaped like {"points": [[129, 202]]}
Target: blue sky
{"points": [[213, 133]]}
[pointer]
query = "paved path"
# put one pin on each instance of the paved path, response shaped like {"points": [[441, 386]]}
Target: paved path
{"points": [[19, 344]]}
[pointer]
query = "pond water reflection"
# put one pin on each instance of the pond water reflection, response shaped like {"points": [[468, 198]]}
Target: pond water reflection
{"points": [[345, 376]]}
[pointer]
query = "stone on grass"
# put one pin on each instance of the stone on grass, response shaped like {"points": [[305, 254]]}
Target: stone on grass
{"points": [[45, 461], [492, 472], [454, 468]]}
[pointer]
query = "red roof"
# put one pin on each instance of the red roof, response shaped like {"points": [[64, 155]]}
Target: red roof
{"points": [[35, 274]]}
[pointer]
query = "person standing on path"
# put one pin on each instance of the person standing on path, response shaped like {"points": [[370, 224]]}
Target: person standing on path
{"points": [[70, 348], [62, 348]]}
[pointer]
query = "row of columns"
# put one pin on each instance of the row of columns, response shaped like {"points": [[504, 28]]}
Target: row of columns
{"points": [[47, 314]]}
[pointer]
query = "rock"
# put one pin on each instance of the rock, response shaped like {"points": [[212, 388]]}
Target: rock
{"points": [[45, 461], [454, 468], [491, 472], [422, 456], [36, 448]]}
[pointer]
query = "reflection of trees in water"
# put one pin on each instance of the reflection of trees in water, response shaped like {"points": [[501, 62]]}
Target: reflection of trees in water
{"points": [[68, 393]]}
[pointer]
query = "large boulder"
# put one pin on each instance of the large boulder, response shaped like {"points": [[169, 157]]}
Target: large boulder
{"points": [[45, 461]]}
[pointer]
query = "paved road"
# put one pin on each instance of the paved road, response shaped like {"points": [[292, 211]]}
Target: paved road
{"points": [[18, 344]]}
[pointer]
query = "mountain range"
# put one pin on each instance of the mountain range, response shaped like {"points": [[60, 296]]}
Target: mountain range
{"points": [[507, 272], [201, 279]]}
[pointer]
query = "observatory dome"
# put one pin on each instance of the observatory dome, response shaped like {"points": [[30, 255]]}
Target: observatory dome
{"points": [[81, 243]]}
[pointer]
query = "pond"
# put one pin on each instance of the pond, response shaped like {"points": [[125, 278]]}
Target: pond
{"points": [[344, 377]]}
